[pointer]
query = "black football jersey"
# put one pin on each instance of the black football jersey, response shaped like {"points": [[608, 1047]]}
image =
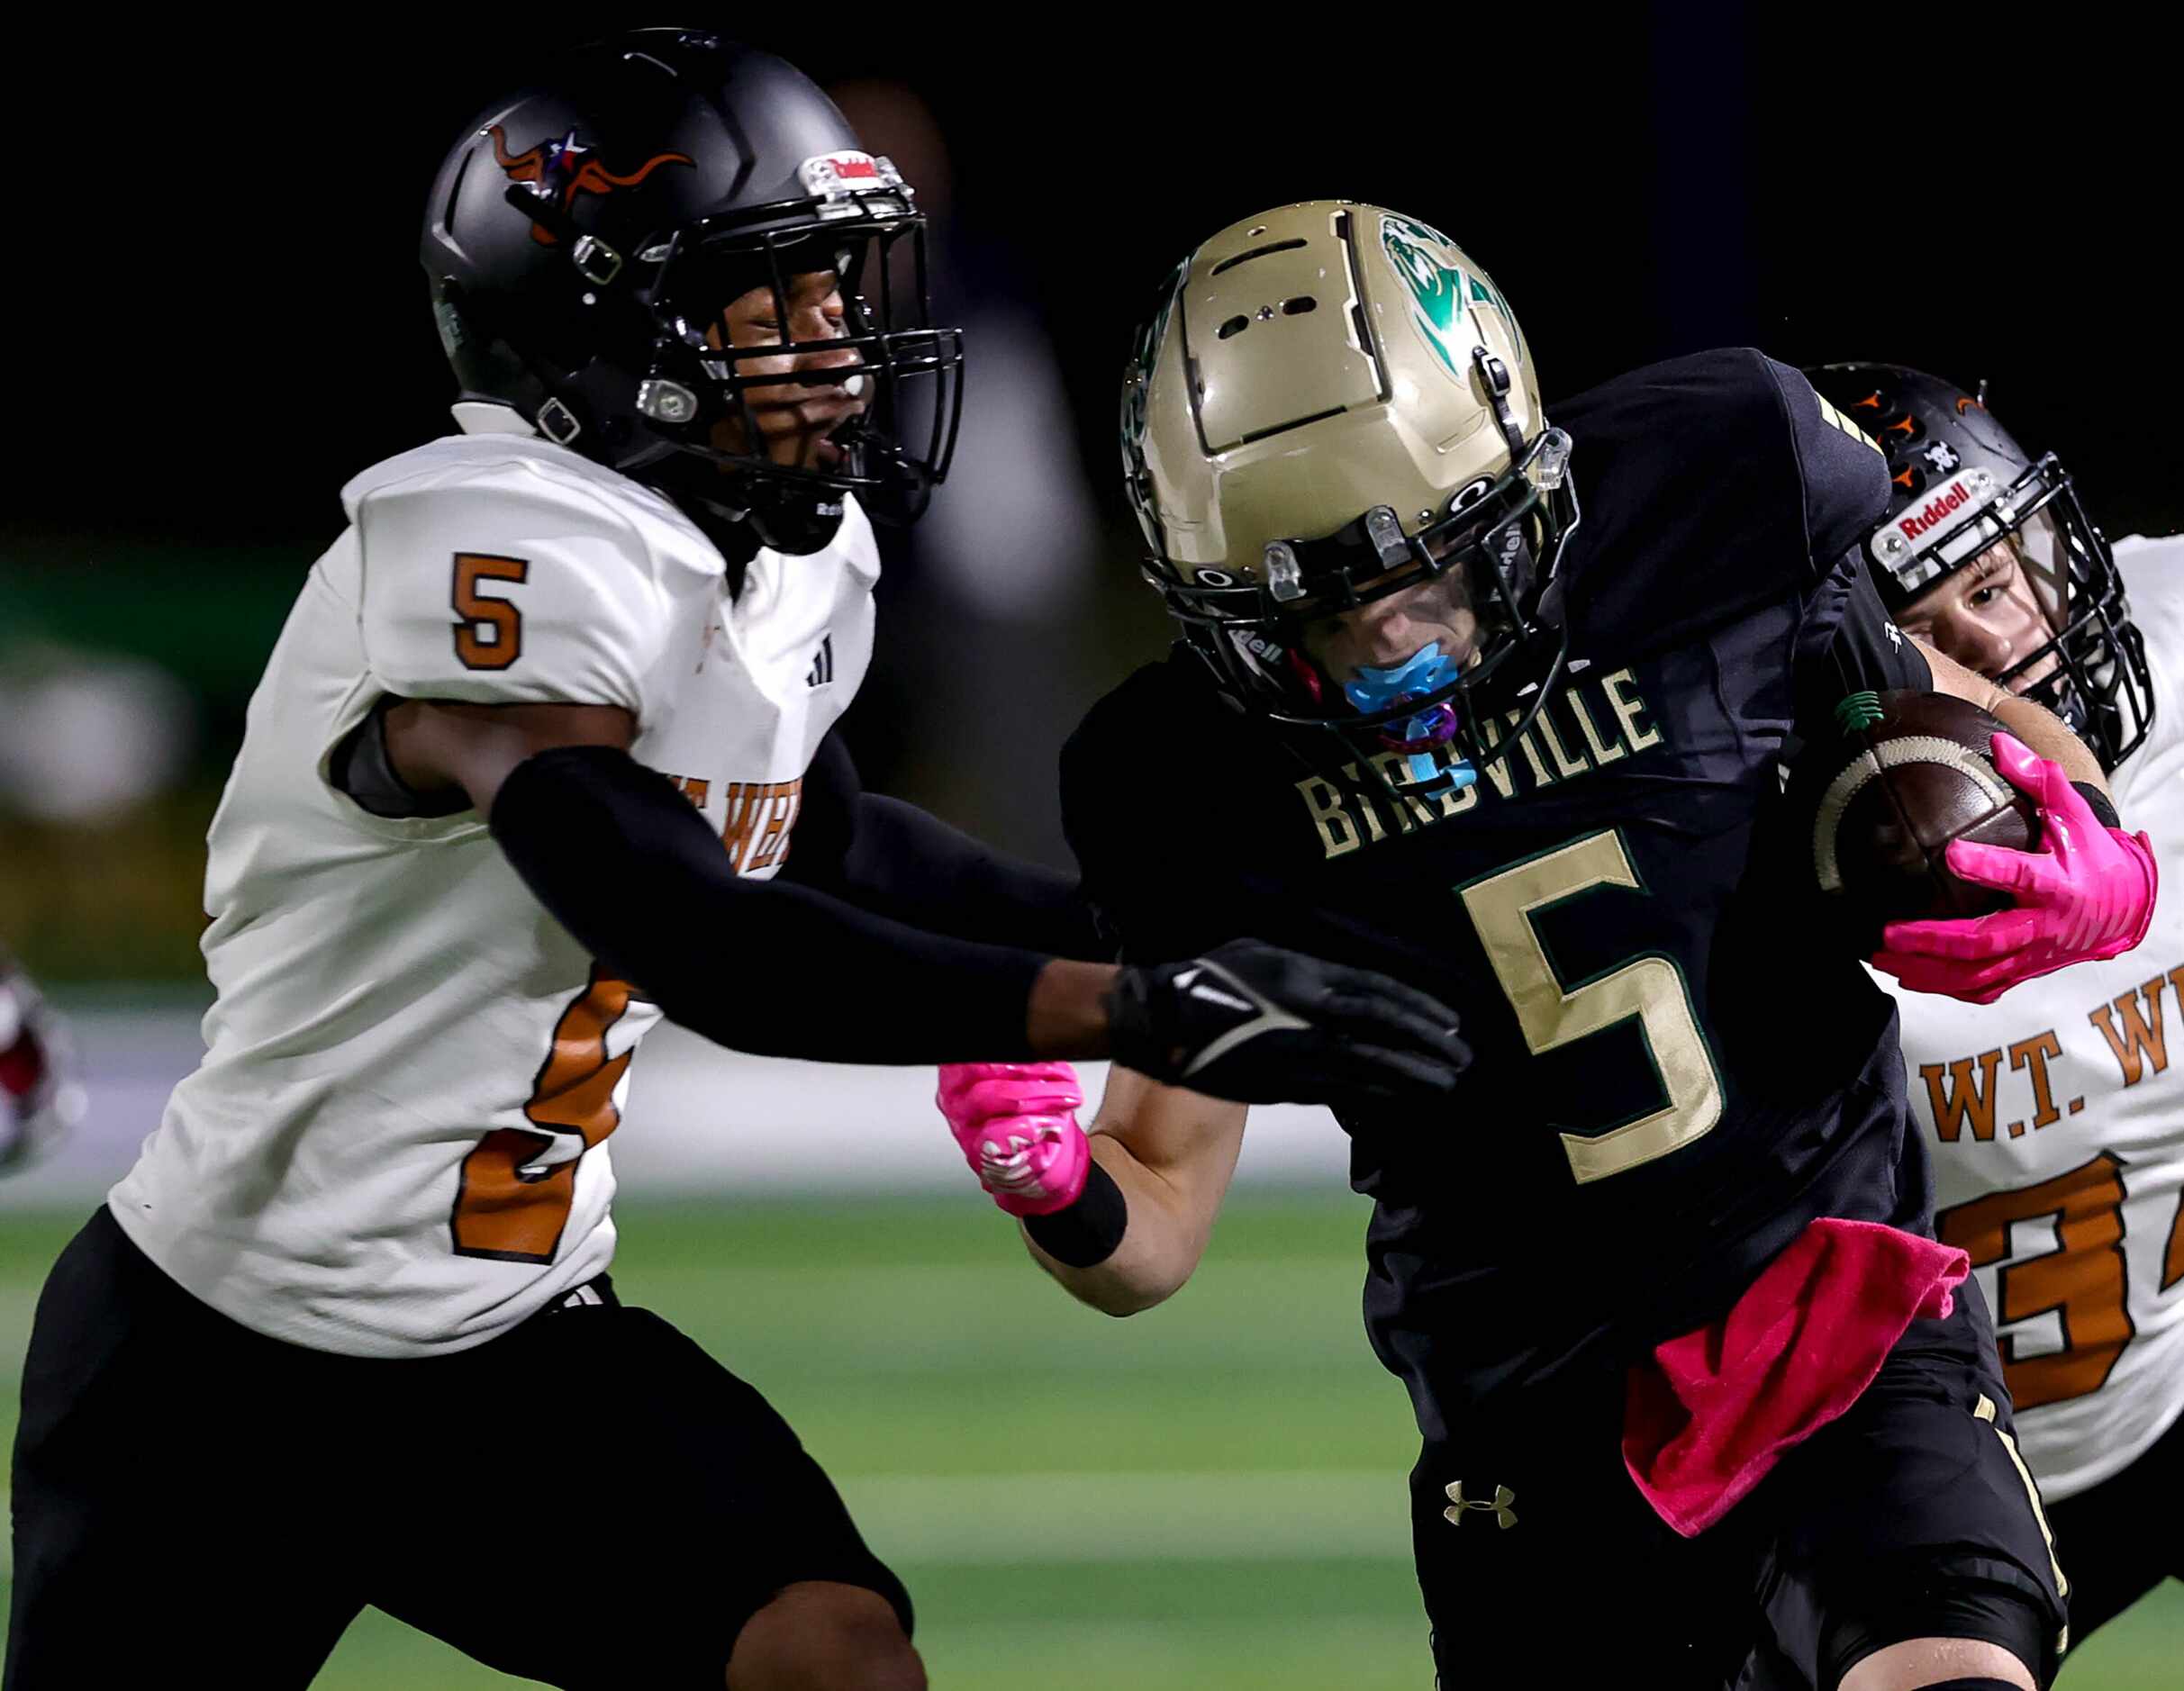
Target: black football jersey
{"points": [[1679, 1059]]}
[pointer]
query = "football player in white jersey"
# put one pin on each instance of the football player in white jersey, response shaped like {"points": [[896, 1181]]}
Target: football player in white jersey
{"points": [[345, 1334], [2056, 1130]]}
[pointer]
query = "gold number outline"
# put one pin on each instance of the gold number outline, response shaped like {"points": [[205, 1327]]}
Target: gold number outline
{"points": [[1511, 949]]}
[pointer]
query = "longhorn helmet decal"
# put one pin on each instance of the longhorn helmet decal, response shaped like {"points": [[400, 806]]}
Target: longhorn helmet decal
{"points": [[566, 168]]}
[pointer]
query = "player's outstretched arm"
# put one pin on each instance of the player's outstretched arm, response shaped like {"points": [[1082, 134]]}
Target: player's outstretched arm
{"points": [[895, 859], [1121, 1217], [1171, 1153], [626, 864]]}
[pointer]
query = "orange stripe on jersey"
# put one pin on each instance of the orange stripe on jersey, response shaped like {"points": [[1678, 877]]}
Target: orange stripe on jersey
{"points": [[499, 1213]]}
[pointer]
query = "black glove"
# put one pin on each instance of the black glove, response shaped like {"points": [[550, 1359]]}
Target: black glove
{"points": [[1257, 1024]]}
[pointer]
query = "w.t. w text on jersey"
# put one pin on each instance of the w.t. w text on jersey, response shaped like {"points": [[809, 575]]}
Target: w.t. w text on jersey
{"points": [[396, 1143], [2055, 1116]]}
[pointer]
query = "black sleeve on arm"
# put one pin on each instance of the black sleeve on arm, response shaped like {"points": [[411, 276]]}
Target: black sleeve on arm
{"points": [[1843, 476], [897, 861], [628, 867], [1847, 643], [1145, 880]]}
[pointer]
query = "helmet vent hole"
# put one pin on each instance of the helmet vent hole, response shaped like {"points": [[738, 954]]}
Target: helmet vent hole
{"points": [[455, 192], [1297, 307], [1258, 252], [1253, 234], [1234, 326]]}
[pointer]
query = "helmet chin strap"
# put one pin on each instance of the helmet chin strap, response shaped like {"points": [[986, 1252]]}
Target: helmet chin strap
{"points": [[1424, 672], [792, 522], [741, 513]]}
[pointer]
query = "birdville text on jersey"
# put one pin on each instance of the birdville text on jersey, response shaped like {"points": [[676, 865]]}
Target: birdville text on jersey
{"points": [[1588, 725]]}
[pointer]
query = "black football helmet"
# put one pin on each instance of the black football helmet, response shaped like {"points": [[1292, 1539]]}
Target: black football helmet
{"points": [[587, 230], [1960, 485]]}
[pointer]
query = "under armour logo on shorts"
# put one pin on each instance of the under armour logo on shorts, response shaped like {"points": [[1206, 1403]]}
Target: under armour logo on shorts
{"points": [[1504, 1517]]}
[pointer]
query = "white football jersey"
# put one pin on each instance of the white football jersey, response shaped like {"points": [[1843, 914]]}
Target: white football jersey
{"points": [[394, 1145], [2057, 1130]]}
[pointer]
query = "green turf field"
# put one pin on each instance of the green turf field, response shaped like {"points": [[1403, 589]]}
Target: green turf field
{"points": [[1207, 1496]]}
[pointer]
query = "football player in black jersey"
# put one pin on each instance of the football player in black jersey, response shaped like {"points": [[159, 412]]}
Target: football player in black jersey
{"points": [[1659, 1279]]}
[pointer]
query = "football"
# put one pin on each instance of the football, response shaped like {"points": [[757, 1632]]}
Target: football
{"points": [[1911, 773]]}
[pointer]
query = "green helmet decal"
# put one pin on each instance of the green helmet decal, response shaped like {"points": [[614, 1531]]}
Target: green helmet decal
{"points": [[1440, 291], [1484, 291]]}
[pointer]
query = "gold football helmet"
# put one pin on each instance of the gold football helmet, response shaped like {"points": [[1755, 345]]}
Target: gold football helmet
{"points": [[1332, 403]]}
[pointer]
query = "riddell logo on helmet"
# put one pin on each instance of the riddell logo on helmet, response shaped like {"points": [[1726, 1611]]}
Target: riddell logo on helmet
{"points": [[1951, 500], [565, 167]]}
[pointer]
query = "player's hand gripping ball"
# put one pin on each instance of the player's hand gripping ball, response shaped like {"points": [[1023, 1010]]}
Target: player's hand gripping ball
{"points": [[1017, 1125], [1915, 777], [2085, 895]]}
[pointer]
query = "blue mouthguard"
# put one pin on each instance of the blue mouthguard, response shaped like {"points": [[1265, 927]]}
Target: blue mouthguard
{"points": [[1425, 671]]}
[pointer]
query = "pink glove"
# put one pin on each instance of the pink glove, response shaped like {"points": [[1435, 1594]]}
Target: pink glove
{"points": [[1018, 1127], [2087, 894]]}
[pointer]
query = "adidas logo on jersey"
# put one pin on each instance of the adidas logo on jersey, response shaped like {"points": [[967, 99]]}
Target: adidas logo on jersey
{"points": [[822, 667]]}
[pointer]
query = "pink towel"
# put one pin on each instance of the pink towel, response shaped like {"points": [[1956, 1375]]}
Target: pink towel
{"points": [[1710, 1416]]}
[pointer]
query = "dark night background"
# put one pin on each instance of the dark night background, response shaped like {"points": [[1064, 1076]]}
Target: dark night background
{"points": [[208, 260], [220, 317]]}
